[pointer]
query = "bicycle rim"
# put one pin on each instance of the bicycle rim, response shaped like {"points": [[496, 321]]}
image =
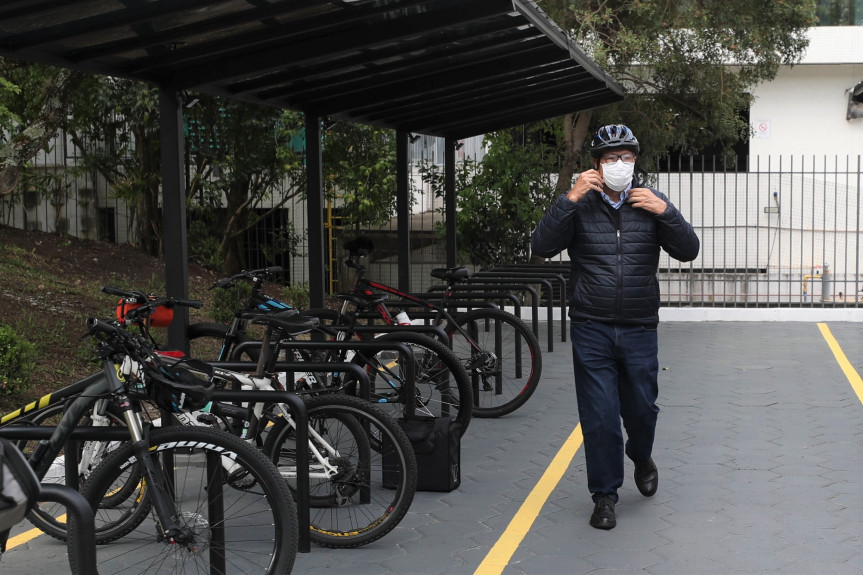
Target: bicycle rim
{"points": [[442, 384], [371, 490], [506, 370], [49, 517], [228, 499]]}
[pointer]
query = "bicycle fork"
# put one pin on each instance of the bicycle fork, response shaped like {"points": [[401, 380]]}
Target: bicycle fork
{"points": [[155, 479]]}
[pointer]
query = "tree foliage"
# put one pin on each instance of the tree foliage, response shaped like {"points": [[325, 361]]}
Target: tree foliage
{"points": [[359, 165], [33, 103], [115, 125], [501, 198], [245, 159], [689, 67]]}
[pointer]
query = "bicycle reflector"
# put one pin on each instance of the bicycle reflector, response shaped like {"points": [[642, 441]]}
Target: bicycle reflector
{"points": [[162, 316], [184, 386]]}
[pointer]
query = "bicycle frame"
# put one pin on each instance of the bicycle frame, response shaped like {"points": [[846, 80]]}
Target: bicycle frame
{"points": [[89, 390], [253, 415], [365, 286], [261, 302]]}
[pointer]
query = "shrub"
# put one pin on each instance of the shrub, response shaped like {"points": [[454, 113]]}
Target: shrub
{"points": [[228, 300], [297, 295], [17, 361]]}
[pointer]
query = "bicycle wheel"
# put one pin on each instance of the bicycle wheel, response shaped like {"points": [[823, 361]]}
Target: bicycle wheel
{"points": [[234, 510], [50, 516], [207, 339], [504, 362], [328, 486], [373, 474], [442, 385]]}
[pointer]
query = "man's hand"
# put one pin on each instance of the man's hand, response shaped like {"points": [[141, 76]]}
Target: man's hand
{"points": [[644, 199], [587, 180]]}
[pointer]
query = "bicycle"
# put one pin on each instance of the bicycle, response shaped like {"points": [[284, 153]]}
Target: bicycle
{"points": [[441, 384], [499, 352], [352, 445], [49, 411], [184, 511]]}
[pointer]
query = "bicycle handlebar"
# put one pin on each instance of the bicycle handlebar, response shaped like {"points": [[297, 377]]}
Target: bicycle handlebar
{"points": [[253, 275], [97, 325]]}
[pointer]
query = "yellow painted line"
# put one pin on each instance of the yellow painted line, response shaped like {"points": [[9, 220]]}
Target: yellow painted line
{"points": [[23, 538], [852, 375], [499, 555]]}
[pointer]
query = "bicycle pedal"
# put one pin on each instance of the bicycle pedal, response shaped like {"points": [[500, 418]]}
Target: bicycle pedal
{"points": [[206, 418]]}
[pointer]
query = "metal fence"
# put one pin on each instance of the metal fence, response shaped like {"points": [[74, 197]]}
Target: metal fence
{"points": [[784, 232]]}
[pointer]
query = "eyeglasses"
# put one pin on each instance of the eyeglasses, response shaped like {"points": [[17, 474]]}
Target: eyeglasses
{"points": [[611, 158]]}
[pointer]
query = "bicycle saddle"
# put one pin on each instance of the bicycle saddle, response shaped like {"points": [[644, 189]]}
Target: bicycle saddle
{"points": [[364, 301], [288, 321], [451, 274]]}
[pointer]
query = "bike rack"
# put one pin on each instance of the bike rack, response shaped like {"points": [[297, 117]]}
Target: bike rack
{"points": [[84, 537], [490, 286], [434, 330], [295, 404], [540, 277]]}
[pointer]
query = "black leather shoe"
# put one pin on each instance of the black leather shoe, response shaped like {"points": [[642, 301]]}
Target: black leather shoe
{"points": [[646, 477], [603, 513]]}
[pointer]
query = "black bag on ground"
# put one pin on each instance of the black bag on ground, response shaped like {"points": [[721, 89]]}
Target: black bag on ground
{"points": [[19, 489], [436, 443]]}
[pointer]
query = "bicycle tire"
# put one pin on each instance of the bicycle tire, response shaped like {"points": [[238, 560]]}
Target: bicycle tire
{"points": [[206, 340], [259, 522], [322, 492], [505, 378], [443, 387], [384, 485], [47, 516]]}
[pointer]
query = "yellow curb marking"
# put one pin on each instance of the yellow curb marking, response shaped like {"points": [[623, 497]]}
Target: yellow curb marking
{"points": [[850, 372], [499, 555], [23, 538]]}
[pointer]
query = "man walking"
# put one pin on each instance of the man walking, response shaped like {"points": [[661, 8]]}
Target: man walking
{"points": [[613, 229]]}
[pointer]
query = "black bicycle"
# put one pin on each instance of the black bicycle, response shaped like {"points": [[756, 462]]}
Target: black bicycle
{"points": [[499, 352], [441, 385], [353, 448], [165, 498]]}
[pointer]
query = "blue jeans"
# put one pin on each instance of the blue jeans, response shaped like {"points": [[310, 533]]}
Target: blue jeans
{"points": [[616, 368]]}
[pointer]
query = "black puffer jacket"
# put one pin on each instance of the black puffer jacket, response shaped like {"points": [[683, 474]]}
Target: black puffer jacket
{"points": [[613, 272]]}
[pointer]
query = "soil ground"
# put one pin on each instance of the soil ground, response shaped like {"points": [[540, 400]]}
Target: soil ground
{"points": [[49, 286]]}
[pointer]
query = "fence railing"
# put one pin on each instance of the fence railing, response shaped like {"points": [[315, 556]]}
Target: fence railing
{"points": [[784, 232]]}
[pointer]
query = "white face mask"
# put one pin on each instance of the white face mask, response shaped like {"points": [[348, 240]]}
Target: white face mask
{"points": [[618, 175]]}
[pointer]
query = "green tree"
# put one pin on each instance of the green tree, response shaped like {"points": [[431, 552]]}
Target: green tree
{"points": [[359, 166], [247, 159], [501, 198], [34, 102], [689, 67], [115, 125]]}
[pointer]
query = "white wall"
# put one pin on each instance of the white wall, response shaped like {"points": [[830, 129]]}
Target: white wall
{"points": [[803, 110]]}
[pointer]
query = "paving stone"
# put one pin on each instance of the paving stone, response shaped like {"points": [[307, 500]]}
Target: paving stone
{"points": [[759, 455]]}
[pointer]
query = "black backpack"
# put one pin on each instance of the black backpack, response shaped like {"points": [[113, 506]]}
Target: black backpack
{"points": [[19, 489]]}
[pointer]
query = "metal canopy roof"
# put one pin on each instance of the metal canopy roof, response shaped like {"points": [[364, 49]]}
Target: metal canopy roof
{"points": [[451, 68]]}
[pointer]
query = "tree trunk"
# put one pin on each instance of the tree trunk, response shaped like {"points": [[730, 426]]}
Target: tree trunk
{"points": [[149, 219], [575, 128], [574, 132], [231, 249]]}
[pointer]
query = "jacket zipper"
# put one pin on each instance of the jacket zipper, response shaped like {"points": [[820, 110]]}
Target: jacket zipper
{"points": [[619, 274]]}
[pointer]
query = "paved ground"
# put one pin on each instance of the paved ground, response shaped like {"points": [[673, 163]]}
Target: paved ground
{"points": [[760, 453]]}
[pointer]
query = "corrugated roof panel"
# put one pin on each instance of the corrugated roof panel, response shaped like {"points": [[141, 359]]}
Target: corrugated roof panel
{"points": [[441, 67]]}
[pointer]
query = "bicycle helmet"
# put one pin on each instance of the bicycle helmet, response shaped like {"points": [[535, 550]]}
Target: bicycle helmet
{"points": [[612, 137], [183, 386]]}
